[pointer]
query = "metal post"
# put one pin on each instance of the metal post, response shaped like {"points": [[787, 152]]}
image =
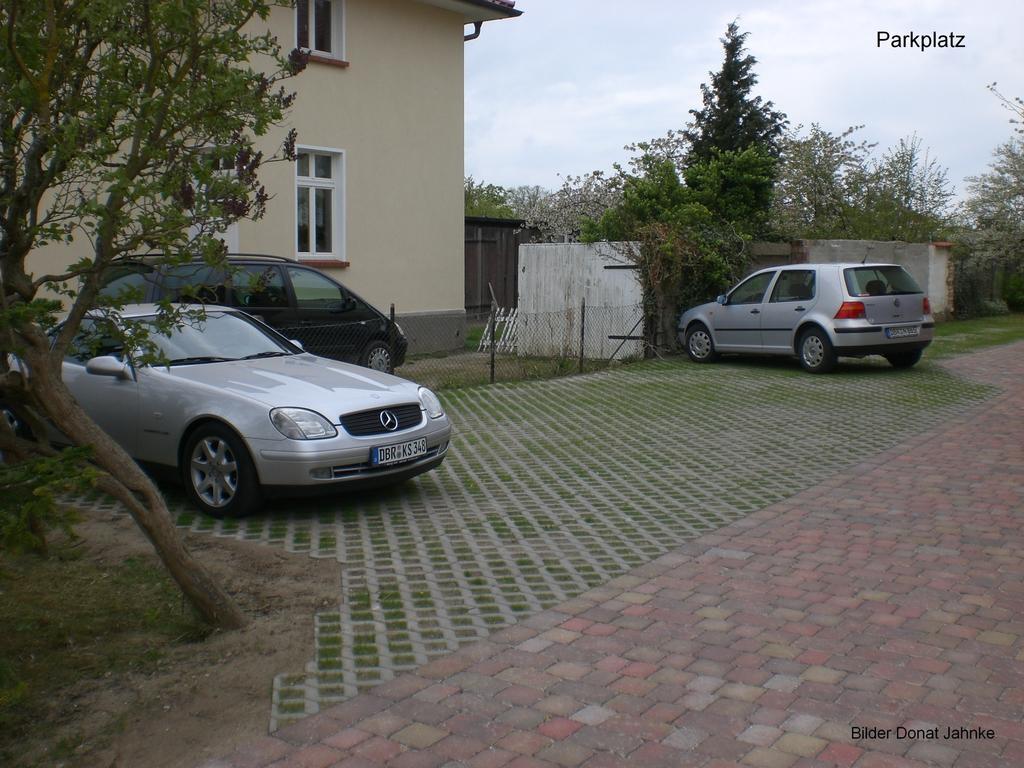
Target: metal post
{"points": [[392, 331], [494, 341], [583, 329]]}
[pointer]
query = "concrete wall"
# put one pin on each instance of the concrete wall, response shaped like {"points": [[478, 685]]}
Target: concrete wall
{"points": [[396, 112], [428, 332], [770, 255], [941, 279], [553, 280], [928, 263]]}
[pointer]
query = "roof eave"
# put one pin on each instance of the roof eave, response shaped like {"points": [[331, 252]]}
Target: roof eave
{"points": [[476, 10]]}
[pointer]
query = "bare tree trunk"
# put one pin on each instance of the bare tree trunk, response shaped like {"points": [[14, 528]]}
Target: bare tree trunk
{"points": [[667, 319], [659, 323], [127, 483]]}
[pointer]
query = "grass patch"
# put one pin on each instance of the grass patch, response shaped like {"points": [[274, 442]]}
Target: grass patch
{"points": [[461, 370], [476, 331], [955, 337], [66, 619]]}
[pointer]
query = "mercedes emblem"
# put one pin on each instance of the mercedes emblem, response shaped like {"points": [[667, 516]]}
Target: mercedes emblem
{"points": [[389, 421]]}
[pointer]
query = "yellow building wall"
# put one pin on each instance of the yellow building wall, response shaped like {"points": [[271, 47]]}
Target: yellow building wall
{"points": [[397, 114]]}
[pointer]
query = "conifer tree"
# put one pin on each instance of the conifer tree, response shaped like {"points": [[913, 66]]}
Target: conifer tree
{"points": [[732, 119]]}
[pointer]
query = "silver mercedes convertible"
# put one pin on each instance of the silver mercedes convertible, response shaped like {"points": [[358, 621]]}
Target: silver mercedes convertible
{"points": [[239, 410]]}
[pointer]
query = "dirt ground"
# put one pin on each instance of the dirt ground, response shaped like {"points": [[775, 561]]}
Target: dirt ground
{"points": [[204, 698]]}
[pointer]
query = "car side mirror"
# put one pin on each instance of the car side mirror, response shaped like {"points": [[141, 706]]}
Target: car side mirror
{"points": [[105, 365], [298, 344], [722, 299]]}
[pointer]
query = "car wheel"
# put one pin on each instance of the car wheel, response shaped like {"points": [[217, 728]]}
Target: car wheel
{"points": [[817, 354], [218, 472], [16, 423], [377, 356], [904, 359], [699, 344]]}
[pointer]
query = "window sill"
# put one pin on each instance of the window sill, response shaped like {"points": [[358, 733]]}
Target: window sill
{"points": [[324, 263], [317, 58]]}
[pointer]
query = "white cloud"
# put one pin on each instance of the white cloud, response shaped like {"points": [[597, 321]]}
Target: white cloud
{"points": [[562, 88]]}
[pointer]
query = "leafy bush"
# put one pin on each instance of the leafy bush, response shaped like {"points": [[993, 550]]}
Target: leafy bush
{"points": [[689, 230], [973, 282], [1013, 293], [29, 490], [12, 690], [993, 308]]}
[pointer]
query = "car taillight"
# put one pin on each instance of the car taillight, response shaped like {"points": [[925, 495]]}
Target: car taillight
{"points": [[927, 308], [850, 310]]}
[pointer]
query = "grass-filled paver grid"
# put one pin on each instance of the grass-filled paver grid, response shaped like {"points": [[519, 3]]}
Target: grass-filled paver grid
{"points": [[554, 487]]}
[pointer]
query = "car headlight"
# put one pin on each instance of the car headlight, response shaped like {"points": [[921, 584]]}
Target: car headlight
{"points": [[301, 424], [431, 404]]}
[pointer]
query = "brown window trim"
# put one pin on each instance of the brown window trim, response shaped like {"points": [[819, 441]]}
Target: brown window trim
{"points": [[315, 58], [324, 263]]}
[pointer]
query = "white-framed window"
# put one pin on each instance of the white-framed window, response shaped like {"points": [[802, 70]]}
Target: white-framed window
{"points": [[319, 203], [320, 27], [223, 162]]}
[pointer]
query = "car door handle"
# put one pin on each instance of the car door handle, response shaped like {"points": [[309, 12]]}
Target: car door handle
{"points": [[755, 311], [800, 309]]}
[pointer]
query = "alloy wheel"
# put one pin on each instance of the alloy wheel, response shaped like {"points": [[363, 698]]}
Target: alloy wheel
{"points": [[214, 472], [12, 420]]}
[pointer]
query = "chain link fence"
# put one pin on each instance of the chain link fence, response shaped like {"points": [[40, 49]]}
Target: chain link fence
{"points": [[505, 346], [513, 346]]}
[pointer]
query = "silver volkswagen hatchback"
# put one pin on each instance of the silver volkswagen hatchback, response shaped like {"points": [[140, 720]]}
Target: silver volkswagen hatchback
{"points": [[817, 313]]}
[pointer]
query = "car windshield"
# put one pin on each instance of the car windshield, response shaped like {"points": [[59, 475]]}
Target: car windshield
{"points": [[879, 281], [220, 337]]}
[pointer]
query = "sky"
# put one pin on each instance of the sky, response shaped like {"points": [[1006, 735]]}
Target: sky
{"points": [[564, 87]]}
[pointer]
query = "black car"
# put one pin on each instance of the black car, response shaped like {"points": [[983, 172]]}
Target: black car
{"points": [[299, 301]]}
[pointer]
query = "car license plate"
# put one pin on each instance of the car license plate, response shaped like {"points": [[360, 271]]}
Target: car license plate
{"points": [[902, 332], [395, 454]]}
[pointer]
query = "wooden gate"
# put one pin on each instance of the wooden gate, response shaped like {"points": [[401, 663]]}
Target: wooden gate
{"points": [[492, 256]]}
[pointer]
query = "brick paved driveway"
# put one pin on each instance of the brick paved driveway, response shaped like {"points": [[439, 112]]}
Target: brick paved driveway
{"points": [[558, 486], [889, 595]]}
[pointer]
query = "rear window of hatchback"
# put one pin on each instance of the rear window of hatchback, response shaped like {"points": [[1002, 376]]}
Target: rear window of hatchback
{"points": [[879, 281]]}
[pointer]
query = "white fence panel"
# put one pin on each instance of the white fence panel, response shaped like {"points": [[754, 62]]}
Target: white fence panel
{"points": [[554, 278]]}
